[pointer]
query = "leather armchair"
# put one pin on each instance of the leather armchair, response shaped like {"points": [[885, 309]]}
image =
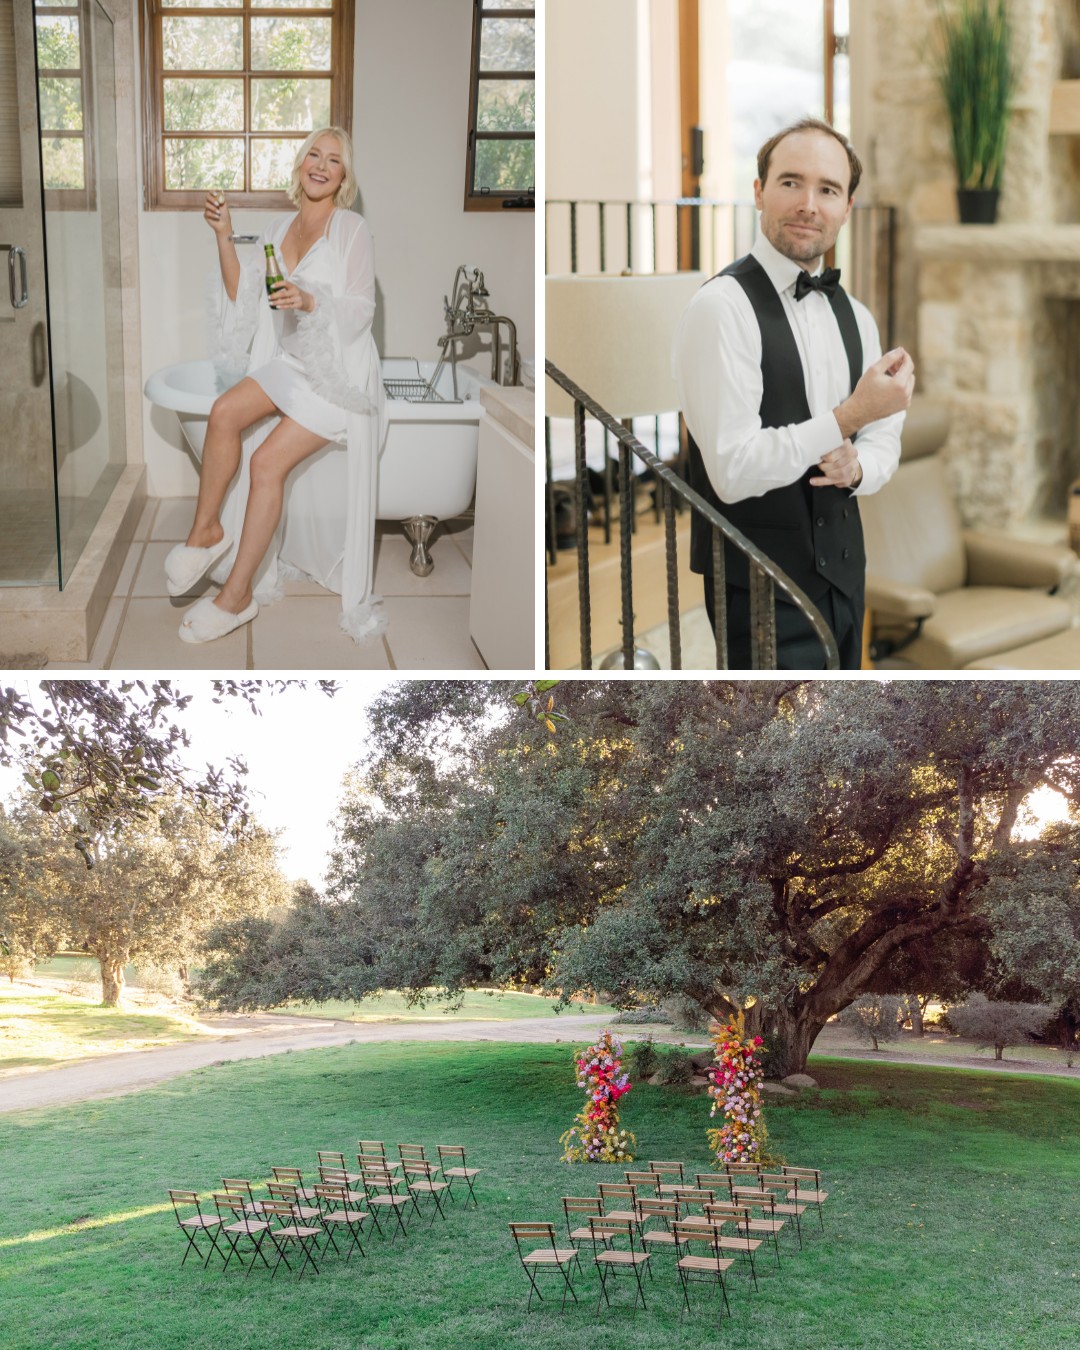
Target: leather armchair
{"points": [[940, 596]]}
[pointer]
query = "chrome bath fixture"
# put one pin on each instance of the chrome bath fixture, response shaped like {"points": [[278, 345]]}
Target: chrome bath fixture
{"points": [[468, 311]]}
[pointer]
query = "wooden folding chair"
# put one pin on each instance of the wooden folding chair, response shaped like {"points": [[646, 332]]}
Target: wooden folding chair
{"points": [[371, 1146], [294, 1177], [689, 1266], [806, 1189], [664, 1211], [413, 1158], [777, 1185], [547, 1256], [421, 1181], [454, 1154], [644, 1183], [238, 1186], [611, 1260], [338, 1212], [719, 1182], [693, 1197], [672, 1171], [379, 1184], [238, 1223], [577, 1207], [290, 1229], [618, 1200], [338, 1176], [753, 1215], [337, 1160], [286, 1193], [196, 1223], [740, 1244]]}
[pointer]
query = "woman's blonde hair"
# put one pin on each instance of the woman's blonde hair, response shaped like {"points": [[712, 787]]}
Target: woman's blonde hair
{"points": [[346, 193]]}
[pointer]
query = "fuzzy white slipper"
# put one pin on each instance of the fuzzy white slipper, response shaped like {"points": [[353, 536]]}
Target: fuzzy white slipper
{"points": [[185, 566], [206, 621]]}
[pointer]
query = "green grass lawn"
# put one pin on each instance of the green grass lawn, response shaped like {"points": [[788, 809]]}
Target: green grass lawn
{"points": [[494, 1005], [950, 1223], [40, 1030]]}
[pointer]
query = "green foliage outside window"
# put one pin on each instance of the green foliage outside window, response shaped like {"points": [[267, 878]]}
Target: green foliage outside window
{"points": [[507, 46]]}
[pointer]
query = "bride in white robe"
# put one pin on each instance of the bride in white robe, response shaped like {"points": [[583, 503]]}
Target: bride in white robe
{"points": [[312, 391]]}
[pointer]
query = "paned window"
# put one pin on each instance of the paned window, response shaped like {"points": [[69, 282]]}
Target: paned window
{"points": [[233, 88], [501, 170], [63, 59]]}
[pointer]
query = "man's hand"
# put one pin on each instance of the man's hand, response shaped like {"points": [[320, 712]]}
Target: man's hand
{"points": [[885, 388], [840, 468]]}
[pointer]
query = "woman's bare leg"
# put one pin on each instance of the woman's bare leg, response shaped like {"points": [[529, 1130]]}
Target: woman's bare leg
{"points": [[231, 414], [288, 445]]}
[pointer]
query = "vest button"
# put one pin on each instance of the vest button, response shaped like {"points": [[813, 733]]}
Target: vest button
{"points": [[820, 522], [821, 562], [846, 554], [845, 513]]}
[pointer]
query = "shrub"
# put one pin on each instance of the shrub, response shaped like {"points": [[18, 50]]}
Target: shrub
{"points": [[676, 1067], [998, 1024], [873, 1018], [643, 1059], [636, 1016]]}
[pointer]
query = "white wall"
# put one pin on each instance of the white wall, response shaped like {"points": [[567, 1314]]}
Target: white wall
{"points": [[411, 90]]}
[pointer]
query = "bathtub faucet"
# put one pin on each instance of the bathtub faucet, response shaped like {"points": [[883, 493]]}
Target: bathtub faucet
{"points": [[467, 311]]}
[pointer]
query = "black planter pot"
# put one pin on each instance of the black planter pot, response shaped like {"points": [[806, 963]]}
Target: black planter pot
{"points": [[978, 206]]}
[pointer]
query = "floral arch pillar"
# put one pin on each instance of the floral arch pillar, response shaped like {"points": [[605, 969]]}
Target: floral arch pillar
{"points": [[597, 1135], [737, 1075]]}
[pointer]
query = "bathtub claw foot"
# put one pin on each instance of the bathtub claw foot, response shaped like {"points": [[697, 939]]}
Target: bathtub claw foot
{"points": [[418, 532]]}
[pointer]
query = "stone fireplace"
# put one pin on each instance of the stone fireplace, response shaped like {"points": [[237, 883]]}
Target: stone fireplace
{"points": [[999, 339]]}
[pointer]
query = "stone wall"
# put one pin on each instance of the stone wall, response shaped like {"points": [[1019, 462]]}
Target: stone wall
{"points": [[988, 325]]}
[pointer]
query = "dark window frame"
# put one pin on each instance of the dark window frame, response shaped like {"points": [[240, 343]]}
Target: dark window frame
{"points": [[493, 201], [156, 197]]}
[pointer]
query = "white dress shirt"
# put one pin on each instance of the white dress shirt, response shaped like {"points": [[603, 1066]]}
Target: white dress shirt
{"points": [[716, 361]]}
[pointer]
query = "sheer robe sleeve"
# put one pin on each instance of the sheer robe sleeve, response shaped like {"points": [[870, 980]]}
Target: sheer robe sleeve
{"points": [[340, 320]]}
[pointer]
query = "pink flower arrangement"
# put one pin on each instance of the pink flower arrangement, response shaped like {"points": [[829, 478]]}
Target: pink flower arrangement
{"points": [[597, 1136], [735, 1089]]}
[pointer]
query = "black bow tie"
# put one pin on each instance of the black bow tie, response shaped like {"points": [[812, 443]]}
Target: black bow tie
{"points": [[827, 282]]}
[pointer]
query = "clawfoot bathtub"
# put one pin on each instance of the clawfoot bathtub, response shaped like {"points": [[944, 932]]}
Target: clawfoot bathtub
{"points": [[427, 471]]}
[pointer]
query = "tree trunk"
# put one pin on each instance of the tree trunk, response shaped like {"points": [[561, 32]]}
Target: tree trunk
{"points": [[112, 980], [789, 1035], [999, 1052]]}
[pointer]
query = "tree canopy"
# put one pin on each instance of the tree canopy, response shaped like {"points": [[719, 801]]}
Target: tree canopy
{"points": [[110, 748], [774, 846]]}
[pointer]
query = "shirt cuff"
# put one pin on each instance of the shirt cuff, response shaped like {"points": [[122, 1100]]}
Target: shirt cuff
{"points": [[818, 436]]}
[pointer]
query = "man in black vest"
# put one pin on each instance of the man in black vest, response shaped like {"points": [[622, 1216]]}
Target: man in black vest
{"points": [[791, 408]]}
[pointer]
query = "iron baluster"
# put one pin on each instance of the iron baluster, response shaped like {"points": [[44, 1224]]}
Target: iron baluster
{"points": [[584, 603], [762, 621], [671, 562], [766, 575], [626, 518]]}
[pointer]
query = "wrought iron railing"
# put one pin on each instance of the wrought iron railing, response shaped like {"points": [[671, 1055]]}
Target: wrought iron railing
{"points": [[705, 234], [765, 576]]}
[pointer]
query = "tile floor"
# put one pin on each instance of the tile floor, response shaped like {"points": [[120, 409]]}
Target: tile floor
{"points": [[428, 626]]}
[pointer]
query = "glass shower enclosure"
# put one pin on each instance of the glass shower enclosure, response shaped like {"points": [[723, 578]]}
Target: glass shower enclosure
{"points": [[62, 421]]}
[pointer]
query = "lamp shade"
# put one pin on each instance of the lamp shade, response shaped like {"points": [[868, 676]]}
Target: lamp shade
{"points": [[612, 336]]}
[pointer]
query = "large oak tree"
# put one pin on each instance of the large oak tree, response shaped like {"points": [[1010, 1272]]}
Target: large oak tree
{"points": [[776, 846]]}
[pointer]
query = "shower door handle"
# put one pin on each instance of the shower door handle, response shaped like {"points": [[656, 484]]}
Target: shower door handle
{"points": [[14, 251]]}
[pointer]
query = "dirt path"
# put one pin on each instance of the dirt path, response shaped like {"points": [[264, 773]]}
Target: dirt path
{"points": [[252, 1038], [269, 1034]]}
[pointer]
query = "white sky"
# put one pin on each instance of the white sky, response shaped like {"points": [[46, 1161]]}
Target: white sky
{"points": [[297, 752]]}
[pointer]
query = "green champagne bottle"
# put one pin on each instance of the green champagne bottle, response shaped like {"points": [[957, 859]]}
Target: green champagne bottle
{"points": [[273, 270]]}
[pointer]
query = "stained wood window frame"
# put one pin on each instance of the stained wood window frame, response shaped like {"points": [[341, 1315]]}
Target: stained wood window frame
{"points": [[156, 197], [494, 201], [70, 199]]}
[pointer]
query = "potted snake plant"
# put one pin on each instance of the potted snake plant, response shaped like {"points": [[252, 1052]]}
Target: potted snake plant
{"points": [[977, 73]]}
